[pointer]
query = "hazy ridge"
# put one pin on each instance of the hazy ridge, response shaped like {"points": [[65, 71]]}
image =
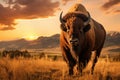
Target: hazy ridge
{"points": [[112, 39]]}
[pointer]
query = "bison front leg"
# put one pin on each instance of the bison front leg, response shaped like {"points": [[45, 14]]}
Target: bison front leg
{"points": [[71, 66], [69, 60], [71, 63], [79, 66]]}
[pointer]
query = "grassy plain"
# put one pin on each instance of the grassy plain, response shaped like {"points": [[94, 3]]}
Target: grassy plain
{"points": [[41, 69]]}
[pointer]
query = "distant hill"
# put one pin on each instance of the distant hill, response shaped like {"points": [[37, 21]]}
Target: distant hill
{"points": [[15, 44], [39, 43], [112, 39], [45, 42]]}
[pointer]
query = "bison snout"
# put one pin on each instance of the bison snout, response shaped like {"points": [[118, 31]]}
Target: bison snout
{"points": [[74, 41]]}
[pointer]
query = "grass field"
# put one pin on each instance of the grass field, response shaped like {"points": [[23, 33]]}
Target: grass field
{"points": [[37, 69]]}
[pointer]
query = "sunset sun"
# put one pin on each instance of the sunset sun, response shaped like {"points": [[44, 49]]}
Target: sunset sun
{"points": [[31, 37]]}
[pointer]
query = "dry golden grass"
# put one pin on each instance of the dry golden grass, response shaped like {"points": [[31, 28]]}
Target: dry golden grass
{"points": [[36, 69]]}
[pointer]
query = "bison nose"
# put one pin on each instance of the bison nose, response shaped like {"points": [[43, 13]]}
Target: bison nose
{"points": [[74, 41]]}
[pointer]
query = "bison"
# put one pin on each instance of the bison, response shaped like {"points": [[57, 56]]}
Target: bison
{"points": [[80, 35]]}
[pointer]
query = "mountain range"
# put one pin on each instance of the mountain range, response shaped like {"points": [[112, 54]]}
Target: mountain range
{"points": [[42, 42]]}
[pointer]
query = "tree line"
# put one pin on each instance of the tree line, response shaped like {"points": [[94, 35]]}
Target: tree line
{"points": [[15, 53]]}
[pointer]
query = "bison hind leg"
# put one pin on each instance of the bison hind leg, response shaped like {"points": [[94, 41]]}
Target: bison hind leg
{"points": [[95, 59]]}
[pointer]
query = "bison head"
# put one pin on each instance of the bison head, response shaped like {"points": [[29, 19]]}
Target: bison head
{"points": [[75, 25]]}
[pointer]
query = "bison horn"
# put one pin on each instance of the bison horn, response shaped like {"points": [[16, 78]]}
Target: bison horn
{"points": [[61, 20], [87, 22]]}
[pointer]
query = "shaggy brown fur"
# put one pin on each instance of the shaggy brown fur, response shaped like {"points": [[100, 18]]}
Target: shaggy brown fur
{"points": [[90, 38]]}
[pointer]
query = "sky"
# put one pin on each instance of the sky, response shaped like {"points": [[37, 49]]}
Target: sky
{"points": [[30, 19]]}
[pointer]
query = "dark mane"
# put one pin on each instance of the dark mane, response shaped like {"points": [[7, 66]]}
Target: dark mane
{"points": [[69, 15]]}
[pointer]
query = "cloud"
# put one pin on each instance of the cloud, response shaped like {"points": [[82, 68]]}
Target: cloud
{"points": [[26, 9], [111, 5], [35, 8], [7, 28], [64, 2], [6, 16], [117, 11]]}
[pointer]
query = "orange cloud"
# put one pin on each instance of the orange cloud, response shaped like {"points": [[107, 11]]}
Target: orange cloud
{"points": [[6, 16], [64, 2], [35, 8], [111, 4], [117, 11], [7, 28], [26, 9]]}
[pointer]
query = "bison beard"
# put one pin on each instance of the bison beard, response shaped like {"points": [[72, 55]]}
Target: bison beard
{"points": [[75, 50]]}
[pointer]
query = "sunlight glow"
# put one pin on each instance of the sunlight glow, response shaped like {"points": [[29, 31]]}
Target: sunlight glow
{"points": [[31, 37]]}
